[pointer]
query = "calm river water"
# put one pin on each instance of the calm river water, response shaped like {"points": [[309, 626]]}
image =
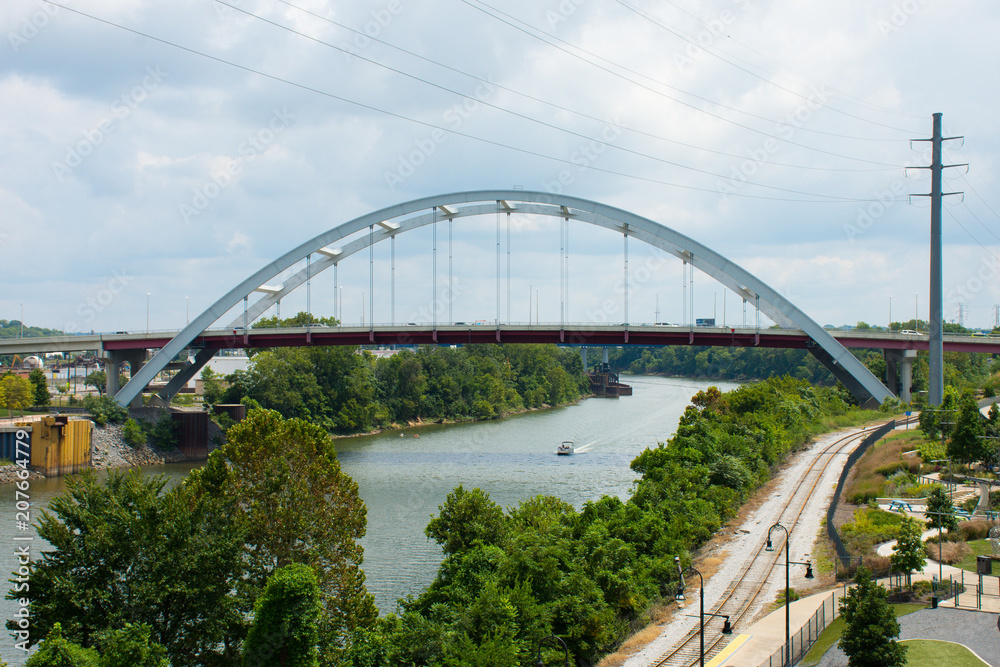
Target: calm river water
{"points": [[404, 477]]}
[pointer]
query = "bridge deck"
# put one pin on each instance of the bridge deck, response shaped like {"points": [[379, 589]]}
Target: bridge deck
{"points": [[575, 334]]}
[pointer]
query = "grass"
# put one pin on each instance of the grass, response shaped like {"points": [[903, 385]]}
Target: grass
{"points": [[4, 412], [867, 483], [976, 548], [831, 635], [851, 419], [932, 653]]}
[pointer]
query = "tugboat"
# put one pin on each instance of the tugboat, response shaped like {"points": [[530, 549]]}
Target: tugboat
{"points": [[565, 449]]}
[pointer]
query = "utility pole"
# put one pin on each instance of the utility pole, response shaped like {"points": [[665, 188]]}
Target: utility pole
{"points": [[935, 386]]}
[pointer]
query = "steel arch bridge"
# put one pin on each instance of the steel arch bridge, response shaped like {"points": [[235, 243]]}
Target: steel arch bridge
{"points": [[394, 220]]}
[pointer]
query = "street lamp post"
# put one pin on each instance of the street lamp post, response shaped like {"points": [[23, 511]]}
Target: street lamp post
{"points": [[541, 641], [701, 595], [727, 628], [787, 658], [147, 313]]}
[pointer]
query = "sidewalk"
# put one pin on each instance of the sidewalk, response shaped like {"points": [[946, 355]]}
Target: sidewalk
{"points": [[754, 646]]}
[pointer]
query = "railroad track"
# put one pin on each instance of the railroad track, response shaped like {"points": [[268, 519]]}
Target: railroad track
{"points": [[742, 594]]}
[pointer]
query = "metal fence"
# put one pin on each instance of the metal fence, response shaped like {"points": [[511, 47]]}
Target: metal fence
{"points": [[851, 460], [806, 636], [802, 641]]}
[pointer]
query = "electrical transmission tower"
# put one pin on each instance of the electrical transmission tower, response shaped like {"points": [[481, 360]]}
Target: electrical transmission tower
{"points": [[935, 388]]}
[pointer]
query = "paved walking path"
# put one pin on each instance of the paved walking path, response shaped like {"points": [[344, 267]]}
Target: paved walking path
{"points": [[970, 627]]}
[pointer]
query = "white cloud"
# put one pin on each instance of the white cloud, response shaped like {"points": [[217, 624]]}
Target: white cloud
{"points": [[810, 99]]}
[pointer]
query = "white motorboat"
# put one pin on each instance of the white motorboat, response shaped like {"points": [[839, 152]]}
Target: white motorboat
{"points": [[565, 449]]}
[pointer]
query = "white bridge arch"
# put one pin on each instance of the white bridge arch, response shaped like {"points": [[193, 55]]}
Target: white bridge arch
{"points": [[393, 220]]}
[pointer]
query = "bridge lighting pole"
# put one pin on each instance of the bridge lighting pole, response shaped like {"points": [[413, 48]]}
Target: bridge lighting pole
{"points": [[147, 314], [890, 313]]}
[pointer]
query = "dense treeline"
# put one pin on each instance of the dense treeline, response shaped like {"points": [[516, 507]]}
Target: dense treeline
{"points": [[722, 363], [961, 369], [510, 578], [347, 390]]}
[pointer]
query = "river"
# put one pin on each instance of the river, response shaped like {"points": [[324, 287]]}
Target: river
{"points": [[404, 476]]}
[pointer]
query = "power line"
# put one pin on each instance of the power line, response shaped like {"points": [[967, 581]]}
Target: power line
{"points": [[826, 199], [512, 21], [846, 96], [523, 116], [558, 106]]}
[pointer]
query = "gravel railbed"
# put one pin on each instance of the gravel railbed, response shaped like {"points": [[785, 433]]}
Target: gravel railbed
{"points": [[975, 629], [745, 538]]}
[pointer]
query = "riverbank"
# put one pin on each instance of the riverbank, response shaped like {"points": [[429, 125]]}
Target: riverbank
{"points": [[108, 449], [422, 423]]}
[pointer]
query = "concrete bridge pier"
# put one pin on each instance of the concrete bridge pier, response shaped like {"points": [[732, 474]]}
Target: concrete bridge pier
{"points": [[583, 357], [115, 358], [899, 372]]}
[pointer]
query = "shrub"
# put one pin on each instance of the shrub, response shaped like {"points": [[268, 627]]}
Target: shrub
{"points": [[917, 491], [977, 529], [133, 434], [104, 410], [864, 490], [888, 469], [932, 450], [164, 432], [950, 552]]}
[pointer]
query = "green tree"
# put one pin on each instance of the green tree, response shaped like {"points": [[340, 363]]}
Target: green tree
{"points": [[42, 397], [55, 651], [131, 646], [908, 553], [465, 519], [98, 380], [295, 505], [133, 434], [123, 550], [285, 631], [17, 393], [941, 510], [870, 626], [212, 385], [967, 444]]}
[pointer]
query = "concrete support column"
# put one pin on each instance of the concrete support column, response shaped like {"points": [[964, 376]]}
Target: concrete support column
{"points": [[892, 363], [906, 375], [583, 356], [899, 372], [135, 358]]}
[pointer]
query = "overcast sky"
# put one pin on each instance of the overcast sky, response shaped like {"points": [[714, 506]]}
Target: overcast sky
{"points": [[158, 153]]}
